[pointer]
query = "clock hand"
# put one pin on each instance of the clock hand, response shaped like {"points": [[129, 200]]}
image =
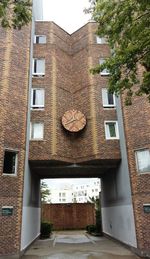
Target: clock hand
{"points": [[72, 120]]}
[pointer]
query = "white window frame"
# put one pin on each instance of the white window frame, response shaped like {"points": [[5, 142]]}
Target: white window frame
{"points": [[31, 131], [38, 73], [137, 163], [105, 72], [101, 40], [35, 106], [35, 37], [107, 135], [16, 162], [105, 99]]}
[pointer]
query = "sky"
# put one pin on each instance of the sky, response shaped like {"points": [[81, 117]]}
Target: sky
{"points": [[68, 14]]}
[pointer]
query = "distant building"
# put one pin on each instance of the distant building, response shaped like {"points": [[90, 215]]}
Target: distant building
{"points": [[75, 193]]}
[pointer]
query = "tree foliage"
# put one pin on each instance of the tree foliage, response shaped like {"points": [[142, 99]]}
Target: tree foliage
{"points": [[126, 25], [45, 192], [15, 13]]}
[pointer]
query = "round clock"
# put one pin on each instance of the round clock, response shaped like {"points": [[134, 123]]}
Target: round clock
{"points": [[73, 120]]}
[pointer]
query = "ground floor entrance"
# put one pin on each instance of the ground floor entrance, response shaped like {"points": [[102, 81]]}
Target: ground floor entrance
{"points": [[77, 245]]}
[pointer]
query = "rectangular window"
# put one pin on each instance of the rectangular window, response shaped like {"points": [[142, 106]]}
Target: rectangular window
{"points": [[111, 130], [38, 68], [108, 98], [37, 131], [39, 39], [105, 72], [10, 162], [143, 160], [37, 98], [100, 40]]}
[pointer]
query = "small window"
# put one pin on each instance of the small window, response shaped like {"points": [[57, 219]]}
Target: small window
{"points": [[37, 131], [39, 39], [108, 98], [37, 98], [143, 160], [105, 71], [111, 130], [10, 163], [100, 40], [38, 67]]}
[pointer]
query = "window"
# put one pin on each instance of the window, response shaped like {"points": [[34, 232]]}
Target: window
{"points": [[100, 40], [37, 130], [108, 98], [38, 68], [40, 39], [111, 130], [143, 160], [10, 162], [37, 98], [105, 72]]}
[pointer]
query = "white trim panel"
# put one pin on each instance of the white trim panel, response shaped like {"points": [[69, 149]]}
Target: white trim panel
{"points": [[118, 222]]}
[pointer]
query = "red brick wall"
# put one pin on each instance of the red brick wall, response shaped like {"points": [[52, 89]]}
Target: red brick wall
{"points": [[69, 216], [68, 84], [137, 131], [14, 69]]}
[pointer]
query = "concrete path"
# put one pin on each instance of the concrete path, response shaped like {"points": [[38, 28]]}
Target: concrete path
{"points": [[77, 245]]}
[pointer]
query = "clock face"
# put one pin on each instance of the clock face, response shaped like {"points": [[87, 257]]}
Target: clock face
{"points": [[73, 120]]}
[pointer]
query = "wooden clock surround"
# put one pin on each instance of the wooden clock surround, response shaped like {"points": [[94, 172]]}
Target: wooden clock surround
{"points": [[73, 120]]}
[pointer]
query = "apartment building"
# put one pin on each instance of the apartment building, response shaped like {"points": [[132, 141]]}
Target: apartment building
{"points": [[75, 193], [59, 121]]}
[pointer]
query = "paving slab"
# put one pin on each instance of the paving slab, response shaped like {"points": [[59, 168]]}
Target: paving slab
{"points": [[77, 245]]}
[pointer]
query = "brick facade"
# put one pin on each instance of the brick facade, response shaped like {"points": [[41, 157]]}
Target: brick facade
{"points": [[68, 85], [137, 133], [14, 67], [70, 216]]}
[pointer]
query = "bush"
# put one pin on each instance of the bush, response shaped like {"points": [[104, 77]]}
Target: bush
{"points": [[98, 222], [91, 228], [46, 229]]}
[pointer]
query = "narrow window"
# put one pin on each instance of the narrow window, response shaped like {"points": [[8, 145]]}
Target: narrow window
{"points": [[100, 40], [143, 160], [38, 67], [37, 131], [104, 72], [108, 98], [39, 39], [111, 130], [10, 163], [37, 98]]}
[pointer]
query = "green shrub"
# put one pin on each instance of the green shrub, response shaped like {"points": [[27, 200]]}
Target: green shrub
{"points": [[91, 228], [98, 222], [46, 229]]}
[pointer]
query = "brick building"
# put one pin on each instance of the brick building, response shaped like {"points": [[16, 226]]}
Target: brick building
{"points": [[44, 72]]}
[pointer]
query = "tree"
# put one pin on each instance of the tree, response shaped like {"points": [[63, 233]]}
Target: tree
{"points": [[15, 13], [45, 192], [126, 26]]}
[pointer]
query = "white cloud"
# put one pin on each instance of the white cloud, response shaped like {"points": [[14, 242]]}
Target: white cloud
{"points": [[68, 14]]}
